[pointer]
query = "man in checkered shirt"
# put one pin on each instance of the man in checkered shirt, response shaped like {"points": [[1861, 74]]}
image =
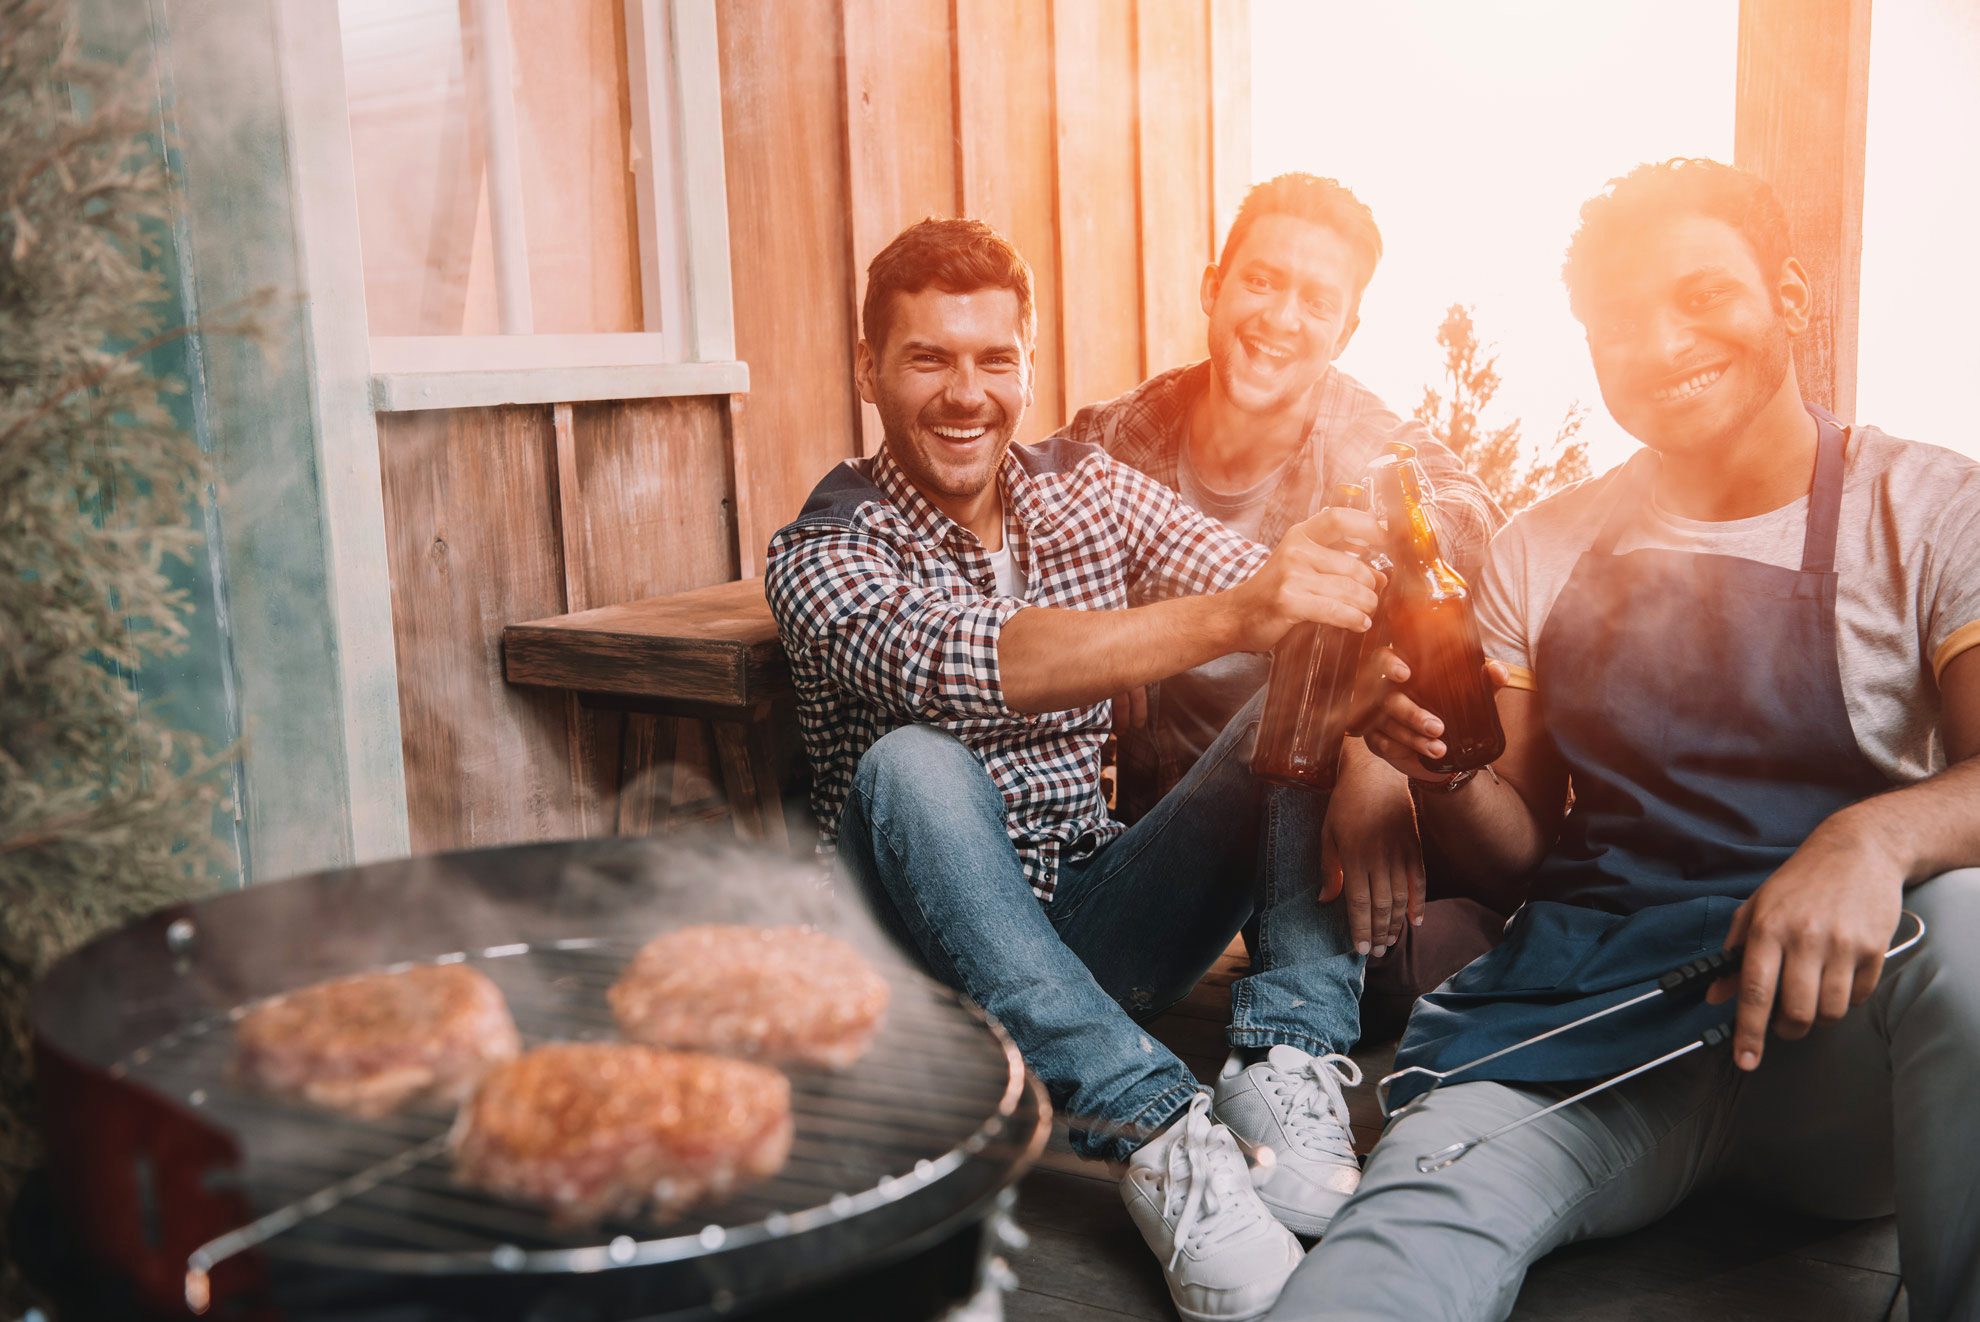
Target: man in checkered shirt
{"points": [[958, 612], [1257, 436]]}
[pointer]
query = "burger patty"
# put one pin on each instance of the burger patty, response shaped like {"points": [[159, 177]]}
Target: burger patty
{"points": [[788, 994], [597, 1129], [369, 1044]]}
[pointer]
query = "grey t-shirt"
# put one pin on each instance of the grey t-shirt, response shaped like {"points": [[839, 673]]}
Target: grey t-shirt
{"points": [[1907, 564], [1198, 703]]}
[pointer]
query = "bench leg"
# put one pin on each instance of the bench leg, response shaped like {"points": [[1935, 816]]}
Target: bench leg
{"points": [[749, 775], [646, 774]]}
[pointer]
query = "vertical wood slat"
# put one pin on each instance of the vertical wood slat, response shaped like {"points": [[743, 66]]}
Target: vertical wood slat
{"points": [[900, 132], [790, 227], [1803, 80], [1173, 77], [587, 789], [1230, 112], [752, 538], [470, 498], [1004, 132], [1098, 211], [652, 480]]}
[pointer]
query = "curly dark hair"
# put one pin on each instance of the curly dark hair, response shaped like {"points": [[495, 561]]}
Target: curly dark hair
{"points": [[1657, 191], [955, 255], [1309, 197]]}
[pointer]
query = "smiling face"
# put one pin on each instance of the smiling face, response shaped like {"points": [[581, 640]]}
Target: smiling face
{"points": [[1281, 308], [951, 383], [1691, 339]]}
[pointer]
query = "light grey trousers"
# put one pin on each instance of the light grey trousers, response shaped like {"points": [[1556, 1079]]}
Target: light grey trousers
{"points": [[1877, 1110]]}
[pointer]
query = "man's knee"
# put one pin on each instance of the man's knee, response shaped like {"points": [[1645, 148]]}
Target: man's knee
{"points": [[919, 763], [1949, 906]]}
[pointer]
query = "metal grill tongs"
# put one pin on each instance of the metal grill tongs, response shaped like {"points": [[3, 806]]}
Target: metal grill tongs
{"points": [[1678, 979]]}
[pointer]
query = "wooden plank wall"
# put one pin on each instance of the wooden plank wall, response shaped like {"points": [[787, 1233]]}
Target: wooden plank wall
{"points": [[476, 533], [1083, 129], [1803, 104]]}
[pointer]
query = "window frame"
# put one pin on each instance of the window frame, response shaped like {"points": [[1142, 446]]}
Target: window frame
{"points": [[673, 75]]}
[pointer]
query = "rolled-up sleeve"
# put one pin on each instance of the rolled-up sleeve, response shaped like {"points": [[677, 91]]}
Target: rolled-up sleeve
{"points": [[843, 601]]}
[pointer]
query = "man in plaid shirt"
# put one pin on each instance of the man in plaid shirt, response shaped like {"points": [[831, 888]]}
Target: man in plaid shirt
{"points": [[1257, 436], [958, 612]]}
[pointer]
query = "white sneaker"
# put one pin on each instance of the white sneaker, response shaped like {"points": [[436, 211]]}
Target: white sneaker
{"points": [[1290, 1104], [1191, 1195]]}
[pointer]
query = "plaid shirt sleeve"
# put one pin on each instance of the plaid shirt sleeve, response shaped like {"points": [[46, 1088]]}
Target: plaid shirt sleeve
{"points": [[842, 597], [1174, 550]]}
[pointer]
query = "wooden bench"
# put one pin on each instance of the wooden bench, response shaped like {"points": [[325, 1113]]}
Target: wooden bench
{"points": [[707, 655]]}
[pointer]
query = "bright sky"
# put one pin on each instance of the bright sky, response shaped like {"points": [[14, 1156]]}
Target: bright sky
{"points": [[1475, 131]]}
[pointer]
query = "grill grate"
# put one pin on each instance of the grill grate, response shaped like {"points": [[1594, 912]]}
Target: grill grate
{"points": [[937, 1087]]}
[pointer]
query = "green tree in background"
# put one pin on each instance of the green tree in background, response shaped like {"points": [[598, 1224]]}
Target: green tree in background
{"points": [[1499, 456], [105, 810]]}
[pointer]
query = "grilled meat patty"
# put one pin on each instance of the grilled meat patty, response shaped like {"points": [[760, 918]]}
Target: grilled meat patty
{"points": [[787, 994], [369, 1044], [597, 1129]]}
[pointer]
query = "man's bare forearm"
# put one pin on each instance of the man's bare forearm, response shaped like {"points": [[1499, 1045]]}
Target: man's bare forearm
{"points": [[1924, 829], [1052, 659], [1485, 829]]}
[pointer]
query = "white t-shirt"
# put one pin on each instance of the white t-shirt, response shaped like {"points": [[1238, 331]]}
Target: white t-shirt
{"points": [[1907, 565], [1010, 574]]}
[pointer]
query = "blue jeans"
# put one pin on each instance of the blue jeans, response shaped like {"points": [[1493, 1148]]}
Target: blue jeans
{"points": [[1129, 931]]}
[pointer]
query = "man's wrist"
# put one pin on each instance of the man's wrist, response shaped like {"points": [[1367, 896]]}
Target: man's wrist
{"points": [[1861, 831], [1223, 622]]}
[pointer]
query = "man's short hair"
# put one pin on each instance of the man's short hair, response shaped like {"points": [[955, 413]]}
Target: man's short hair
{"points": [[1309, 197], [1655, 193], [954, 255]]}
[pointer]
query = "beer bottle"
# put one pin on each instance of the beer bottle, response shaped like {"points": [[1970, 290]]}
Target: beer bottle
{"points": [[1431, 624], [1309, 693]]}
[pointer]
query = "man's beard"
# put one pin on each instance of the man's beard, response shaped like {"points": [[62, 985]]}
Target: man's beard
{"points": [[956, 480]]}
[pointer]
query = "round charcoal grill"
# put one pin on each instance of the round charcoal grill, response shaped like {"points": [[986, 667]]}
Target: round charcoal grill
{"points": [[200, 1193]]}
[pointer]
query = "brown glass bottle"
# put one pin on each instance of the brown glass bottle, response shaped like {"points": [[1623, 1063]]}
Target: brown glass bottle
{"points": [[1308, 697], [1431, 624]]}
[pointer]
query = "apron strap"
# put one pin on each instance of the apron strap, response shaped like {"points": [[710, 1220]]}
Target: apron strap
{"points": [[1818, 545]]}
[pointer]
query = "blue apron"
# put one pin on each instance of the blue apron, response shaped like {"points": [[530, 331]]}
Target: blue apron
{"points": [[1700, 714]]}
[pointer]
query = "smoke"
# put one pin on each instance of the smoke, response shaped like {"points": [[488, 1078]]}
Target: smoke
{"points": [[487, 906]]}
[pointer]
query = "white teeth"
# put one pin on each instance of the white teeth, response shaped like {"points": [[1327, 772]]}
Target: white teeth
{"points": [[1266, 351], [959, 433], [1688, 387]]}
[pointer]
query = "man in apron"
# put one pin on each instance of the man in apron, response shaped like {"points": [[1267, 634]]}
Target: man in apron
{"points": [[1751, 652]]}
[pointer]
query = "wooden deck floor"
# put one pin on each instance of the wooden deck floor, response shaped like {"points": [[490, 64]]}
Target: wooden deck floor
{"points": [[1716, 1260]]}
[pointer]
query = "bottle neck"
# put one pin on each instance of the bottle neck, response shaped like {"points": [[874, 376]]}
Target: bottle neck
{"points": [[1410, 523], [1420, 566]]}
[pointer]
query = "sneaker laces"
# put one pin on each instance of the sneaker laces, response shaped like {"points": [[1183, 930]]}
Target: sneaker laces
{"points": [[1220, 1204], [1310, 1101]]}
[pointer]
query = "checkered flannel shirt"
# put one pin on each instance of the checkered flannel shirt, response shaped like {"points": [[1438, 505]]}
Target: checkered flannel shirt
{"points": [[1146, 427], [888, 610]]}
